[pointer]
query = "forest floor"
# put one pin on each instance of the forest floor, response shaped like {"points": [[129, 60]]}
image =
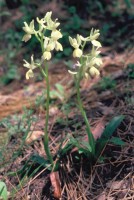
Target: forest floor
{"points": [[22, 118]]}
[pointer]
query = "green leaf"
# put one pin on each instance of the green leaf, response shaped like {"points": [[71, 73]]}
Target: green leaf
{"points": [[40, 160], [72, 9], [108, 132], [55, 94], [107, 83], [67, 51], [25, 1], [58, 93], [65, 149], [60, 88], [86, 145], [83, 147], [100, 144], [117, 141], [3, 191], [128, 3], [112, 126], [131, 71]]}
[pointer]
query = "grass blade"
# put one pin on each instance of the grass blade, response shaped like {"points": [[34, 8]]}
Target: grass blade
{"points": [[3, 191]]}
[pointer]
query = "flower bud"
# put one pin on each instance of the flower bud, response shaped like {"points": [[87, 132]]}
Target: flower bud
{"points": [[26, 37]]}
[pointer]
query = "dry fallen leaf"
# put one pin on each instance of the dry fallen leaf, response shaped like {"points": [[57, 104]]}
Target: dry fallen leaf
{"points": [[55, 181], [117, 185], [102, 196], [4, 99], [107, 110], [2, 58], [98, 130], [33, 135], [53, 111]]}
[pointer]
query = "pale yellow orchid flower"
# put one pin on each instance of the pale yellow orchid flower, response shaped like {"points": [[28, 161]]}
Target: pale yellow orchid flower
{"points": [[47, 55], [31, 66], [94, 72], [29, 29], [55, 35], [77, 53]]}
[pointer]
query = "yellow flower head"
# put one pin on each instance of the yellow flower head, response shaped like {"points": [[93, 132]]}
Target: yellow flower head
{"points": [[90, 62], [48, 16], [41, 22], [94, 34], [58, 46], [55, 35], [29, 31], [46, 41], [76, 42], [29, 74], [44, 20], [73, 42], [31, 66], [96, 43], [47, 55], [94, 72], [51, 25], [77, 53], [26, 37], [50, 46]]}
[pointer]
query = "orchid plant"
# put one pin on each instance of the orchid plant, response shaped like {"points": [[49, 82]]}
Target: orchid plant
{"points": [[87, 65], [48, 44]]}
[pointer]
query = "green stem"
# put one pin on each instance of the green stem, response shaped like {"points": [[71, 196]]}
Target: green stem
{"points": [[89, 133], [46, 135]]}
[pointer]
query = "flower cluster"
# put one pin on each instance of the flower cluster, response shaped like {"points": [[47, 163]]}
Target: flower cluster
{"points": [[48, 35], [91, 62], [48, 43]]}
